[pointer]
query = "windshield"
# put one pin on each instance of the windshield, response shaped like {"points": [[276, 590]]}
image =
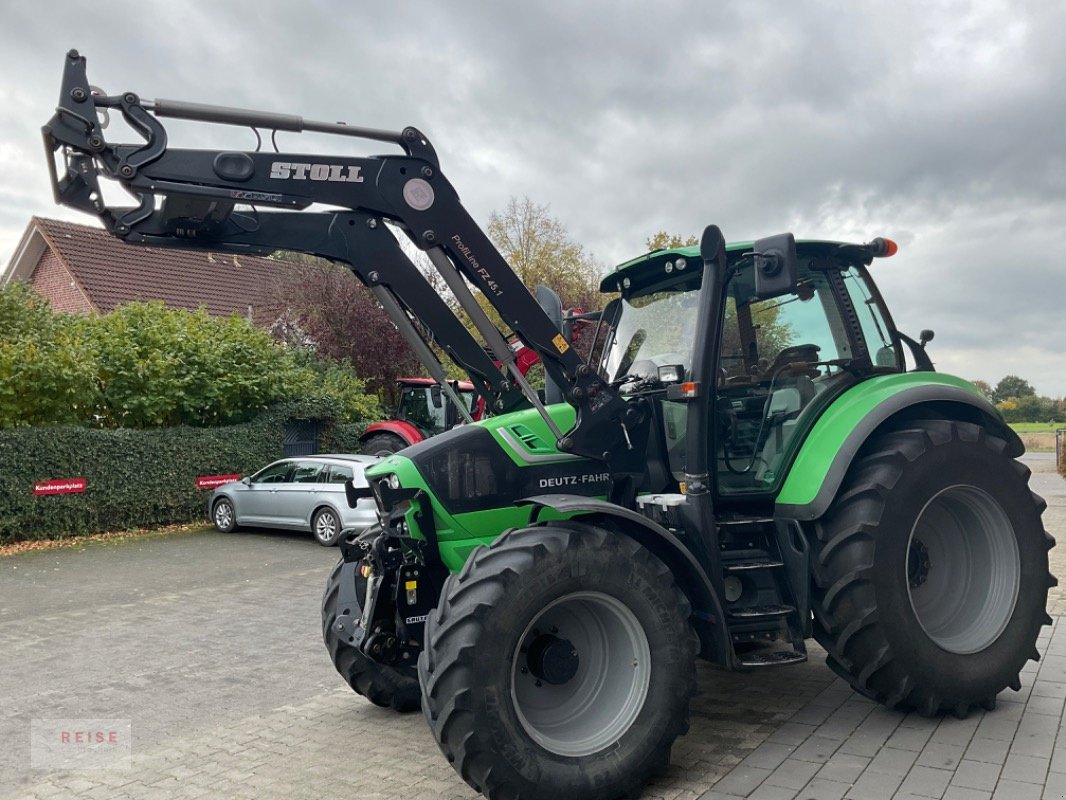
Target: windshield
{"points": [[652, 330]]}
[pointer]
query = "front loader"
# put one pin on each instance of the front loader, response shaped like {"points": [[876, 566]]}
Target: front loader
{"points": [[751, 464]]}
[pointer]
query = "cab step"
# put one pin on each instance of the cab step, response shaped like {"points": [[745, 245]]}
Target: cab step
{"points": [[777, 658], [750, 613], [750, 564]]}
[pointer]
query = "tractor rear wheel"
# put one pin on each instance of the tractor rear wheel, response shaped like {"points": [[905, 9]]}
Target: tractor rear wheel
{"points": [[381, 685], [559, 663], [383, 444], [932, 570]]}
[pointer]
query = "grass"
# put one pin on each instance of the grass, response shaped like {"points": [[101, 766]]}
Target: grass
{"points": [[1037, 427]]}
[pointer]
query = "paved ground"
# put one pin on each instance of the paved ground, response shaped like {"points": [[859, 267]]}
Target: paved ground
{"points": [[209, 645]]}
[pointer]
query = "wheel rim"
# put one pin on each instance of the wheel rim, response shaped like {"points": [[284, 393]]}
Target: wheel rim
{"points": [[223, 515], [963, 569], [325, 526], [580, 674]]}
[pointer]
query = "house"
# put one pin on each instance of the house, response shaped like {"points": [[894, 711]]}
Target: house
{"points": [[80, 269]]}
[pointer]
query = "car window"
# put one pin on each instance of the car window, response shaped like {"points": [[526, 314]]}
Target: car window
{"points": [[306, 472], [339, 474], [275, 473]]}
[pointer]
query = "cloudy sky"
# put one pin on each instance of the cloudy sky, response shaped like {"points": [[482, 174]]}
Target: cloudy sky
{"points": [[938, 124]]}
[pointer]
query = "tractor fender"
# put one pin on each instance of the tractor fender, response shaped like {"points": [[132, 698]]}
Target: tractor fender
{"points": [[832, 444], [707, 613], [398, 427]]}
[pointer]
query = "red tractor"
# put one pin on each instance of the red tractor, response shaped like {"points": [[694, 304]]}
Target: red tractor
{"points": [[424, 410]]}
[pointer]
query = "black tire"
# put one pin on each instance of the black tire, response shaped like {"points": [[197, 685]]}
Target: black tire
{"points": [[471, 669], [381, 685], [223, 515], [326, 527], [932, 570], [383, 444]]}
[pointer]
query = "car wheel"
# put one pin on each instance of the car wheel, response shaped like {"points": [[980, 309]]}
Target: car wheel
{"points": [[223, 515], [326, 526]]}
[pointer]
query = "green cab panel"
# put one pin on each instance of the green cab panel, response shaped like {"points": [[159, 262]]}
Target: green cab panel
{"points": [[828, 450]]}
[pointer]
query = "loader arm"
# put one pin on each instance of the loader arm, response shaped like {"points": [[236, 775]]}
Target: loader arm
{"points": [[189, 199]]}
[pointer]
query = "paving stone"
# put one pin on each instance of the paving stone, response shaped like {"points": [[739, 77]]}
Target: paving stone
{"points": [[863, 744], [793, 733], [817, 749], [874, 786], [941, 755], [1051, 706], [793, 774], [768, 755], [1030, 769], [819, 789], [1014, 790], [957, 731], [992, 751], [962, 793], [843, 767], [909, 738], [926, 781], [1055, 786], [976, 775], [768, 792], [893, 762], [742, 780]]}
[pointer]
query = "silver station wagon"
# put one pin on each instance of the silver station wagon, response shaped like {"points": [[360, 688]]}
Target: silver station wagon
{"points": [[304, 494]]}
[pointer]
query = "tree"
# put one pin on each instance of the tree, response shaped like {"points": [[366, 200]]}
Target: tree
{"points": [[329, 310], [1012, 386], [984, 387], [668, 241], [539, 249]]}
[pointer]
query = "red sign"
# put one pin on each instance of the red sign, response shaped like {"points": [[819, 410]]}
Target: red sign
{"points": [[211, 481], [60, 486]]}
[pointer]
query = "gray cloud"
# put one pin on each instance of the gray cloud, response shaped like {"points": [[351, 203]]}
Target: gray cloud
{"points": [[938, 123]]}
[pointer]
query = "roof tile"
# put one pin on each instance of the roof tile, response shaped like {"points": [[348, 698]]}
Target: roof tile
{"points": [[113, 272]]}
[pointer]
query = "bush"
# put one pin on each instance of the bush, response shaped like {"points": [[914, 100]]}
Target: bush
{"points": [[147, 366], [139, 478]]}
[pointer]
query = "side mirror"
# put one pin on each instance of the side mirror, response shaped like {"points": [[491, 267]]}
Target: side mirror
{"points": [[246, 481], [776, 265], [925, 337], [435, 396]]}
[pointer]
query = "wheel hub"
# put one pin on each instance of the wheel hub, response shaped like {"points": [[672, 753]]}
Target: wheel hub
{"points": [[552, 660], [917, 564]]}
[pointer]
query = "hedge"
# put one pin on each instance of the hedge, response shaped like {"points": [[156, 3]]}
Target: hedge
{"points": [[138, 478]]}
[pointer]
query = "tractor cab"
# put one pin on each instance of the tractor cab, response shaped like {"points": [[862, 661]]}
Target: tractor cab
{"points": [[785, 352], [424, 405]]}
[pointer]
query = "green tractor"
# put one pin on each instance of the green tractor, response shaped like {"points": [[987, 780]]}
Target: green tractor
{"points": [[759, 457], [811, 487]]}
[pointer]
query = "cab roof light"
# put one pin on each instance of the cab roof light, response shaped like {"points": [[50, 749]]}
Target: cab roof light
{"points": [[882, 248]]}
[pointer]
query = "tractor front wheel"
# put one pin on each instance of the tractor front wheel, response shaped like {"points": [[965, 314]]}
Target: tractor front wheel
{"points": [[932, 570], [559, 663], [381, 685]]}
